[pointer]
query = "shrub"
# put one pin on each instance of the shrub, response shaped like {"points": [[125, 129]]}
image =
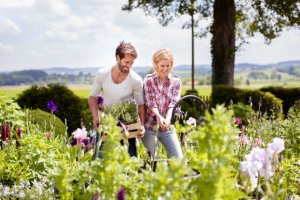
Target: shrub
{"points": [[263, 101], [69, 105], [242, 111], [47, 121], [287, 95]]}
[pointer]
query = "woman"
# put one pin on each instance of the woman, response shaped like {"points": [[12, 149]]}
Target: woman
{"points": [[161, 92]]}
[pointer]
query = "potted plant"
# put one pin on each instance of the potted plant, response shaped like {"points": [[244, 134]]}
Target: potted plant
{"points": [[126, 113]]}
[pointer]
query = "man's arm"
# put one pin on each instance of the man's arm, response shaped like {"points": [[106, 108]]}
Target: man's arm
{"points": [[141, 111], [94, 109]]}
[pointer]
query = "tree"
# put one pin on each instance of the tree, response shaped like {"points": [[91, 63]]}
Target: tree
{"points": [[232, 23], [166, 11]]}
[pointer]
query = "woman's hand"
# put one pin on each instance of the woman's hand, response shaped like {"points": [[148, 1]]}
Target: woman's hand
{"points": [[163, 124]]}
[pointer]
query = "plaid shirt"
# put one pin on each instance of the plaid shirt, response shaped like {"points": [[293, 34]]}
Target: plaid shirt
{"points": [[162, 96]]}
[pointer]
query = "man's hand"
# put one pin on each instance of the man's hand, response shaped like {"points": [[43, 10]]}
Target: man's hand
{"points": [[96, 123]]}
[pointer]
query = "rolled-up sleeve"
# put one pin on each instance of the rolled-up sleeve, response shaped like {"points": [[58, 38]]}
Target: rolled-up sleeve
{"points": [[149, 93], [175, 92]]}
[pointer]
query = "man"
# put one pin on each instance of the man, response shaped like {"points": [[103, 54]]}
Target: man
{"points": [[117, 84]]}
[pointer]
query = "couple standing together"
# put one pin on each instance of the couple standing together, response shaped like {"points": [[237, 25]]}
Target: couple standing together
{"points": [[155, 96]]}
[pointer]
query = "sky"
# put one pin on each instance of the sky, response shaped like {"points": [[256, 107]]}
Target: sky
{"points": [[37, 34]]}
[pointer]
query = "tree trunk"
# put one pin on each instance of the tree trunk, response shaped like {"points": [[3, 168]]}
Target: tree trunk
{"points": [[223, 43]]}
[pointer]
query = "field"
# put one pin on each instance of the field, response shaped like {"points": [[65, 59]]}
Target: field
{"points": [[84, 90]]}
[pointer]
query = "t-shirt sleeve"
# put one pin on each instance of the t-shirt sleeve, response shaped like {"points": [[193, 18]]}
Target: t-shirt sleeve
{"points": [[98, 83], [138, 91]]}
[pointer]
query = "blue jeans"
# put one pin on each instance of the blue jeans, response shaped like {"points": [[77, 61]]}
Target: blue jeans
{"points": [[168, 139]]}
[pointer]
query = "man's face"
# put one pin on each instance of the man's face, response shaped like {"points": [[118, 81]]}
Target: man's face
{"points": [[125, 63]]}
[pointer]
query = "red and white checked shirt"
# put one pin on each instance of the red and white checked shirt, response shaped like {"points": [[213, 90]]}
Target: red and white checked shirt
{"points": [[160, 95]]}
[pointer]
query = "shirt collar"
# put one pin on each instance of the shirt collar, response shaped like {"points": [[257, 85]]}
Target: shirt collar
{"points": [[168, 78]]}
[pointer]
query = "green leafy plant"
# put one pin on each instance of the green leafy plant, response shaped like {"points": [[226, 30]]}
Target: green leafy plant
{"points": [[126, 112]]}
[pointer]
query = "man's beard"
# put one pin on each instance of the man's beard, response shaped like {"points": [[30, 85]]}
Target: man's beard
{"points": [[123, 69]]}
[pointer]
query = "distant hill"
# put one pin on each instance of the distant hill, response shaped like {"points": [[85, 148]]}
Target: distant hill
{"points": [[86, 75]]}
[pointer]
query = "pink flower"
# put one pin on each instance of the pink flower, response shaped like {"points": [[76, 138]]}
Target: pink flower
{"points": [[243, 139], [276, 146], [48, 134], [80, 135], [257, 142], [237, 120]]}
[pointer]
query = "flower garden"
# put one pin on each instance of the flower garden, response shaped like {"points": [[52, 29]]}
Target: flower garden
{"points": [[226, 157]]}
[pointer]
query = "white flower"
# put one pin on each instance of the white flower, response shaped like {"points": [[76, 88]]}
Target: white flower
{"points": [[6, 191], [247, 169], [22, 195], [257, 163], [276, 146], [191, 121], [80, 134]]}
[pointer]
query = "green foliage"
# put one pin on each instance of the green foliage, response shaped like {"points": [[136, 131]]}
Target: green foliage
{"points": [[287, 95], [214, 158], [257, 75], [70, 106], [22, 77], [126, 112], [242, 111], [33, 159], [47, 121], [10, 112], [56, 170], [261, 101]]}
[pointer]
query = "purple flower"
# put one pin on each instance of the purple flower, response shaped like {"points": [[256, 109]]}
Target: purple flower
{"points": [[74, 142], [85, 142], [5, 135], [179, 112], [121, 193], [276, 146], [100, 100], [51, 106], [18, 137], [96, 196], [257, 163]]}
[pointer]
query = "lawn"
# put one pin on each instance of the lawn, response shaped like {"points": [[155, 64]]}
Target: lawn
{"points": [[84, 90]]}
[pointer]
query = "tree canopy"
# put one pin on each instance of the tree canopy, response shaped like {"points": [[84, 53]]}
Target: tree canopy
{"points": [[268, 17]]}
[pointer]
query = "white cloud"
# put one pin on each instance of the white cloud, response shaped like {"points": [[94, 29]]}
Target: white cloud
{"points": [[53, 7], [4, 49], [16, 3], [8, 27], [79, 33]]}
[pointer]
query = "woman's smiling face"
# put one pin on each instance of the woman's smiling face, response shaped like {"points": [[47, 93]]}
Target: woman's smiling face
{"points": [[163, 68]]}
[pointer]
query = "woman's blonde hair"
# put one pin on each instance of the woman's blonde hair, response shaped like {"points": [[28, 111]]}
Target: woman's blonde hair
{"points": [[162, 54]]}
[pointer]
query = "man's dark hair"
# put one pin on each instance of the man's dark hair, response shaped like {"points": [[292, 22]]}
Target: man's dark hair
{"points": [[125, 49]]}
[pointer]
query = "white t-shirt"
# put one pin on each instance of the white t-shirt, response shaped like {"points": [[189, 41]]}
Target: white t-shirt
{"points": [[113, 93]]}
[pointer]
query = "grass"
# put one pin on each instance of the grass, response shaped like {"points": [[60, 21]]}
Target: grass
{"points": [[84, 90]]}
